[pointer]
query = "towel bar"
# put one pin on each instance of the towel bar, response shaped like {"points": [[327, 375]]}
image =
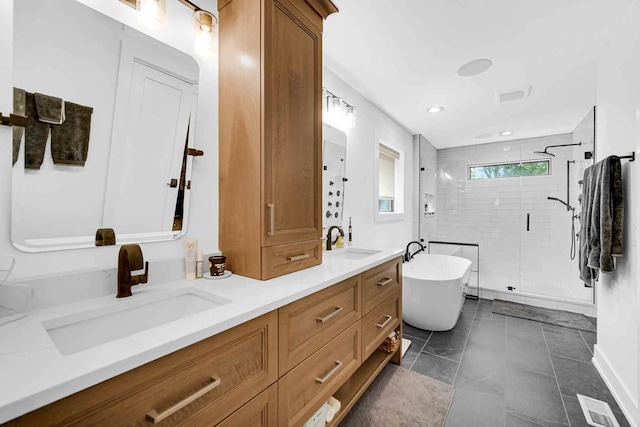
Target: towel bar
{"points": [[631, 157], [13, 120]]}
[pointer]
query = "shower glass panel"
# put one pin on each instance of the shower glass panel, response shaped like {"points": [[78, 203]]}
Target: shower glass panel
{"points": [[483, 211]]}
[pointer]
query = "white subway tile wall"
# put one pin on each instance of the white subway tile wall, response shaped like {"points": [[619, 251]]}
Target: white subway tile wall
{"points": [[493, 213]]}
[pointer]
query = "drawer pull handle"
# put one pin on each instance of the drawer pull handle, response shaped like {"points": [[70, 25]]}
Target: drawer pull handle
{"points": [[272, 219], [156, 417], [385, 281], [385, 323], [329, 316], [330, 374], [298, 257]]}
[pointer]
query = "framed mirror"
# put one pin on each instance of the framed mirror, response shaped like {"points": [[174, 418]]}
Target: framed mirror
{"points": [[110, 130]]}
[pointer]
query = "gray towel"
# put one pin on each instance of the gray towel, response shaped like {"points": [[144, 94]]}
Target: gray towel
{"points": [[607, 215], [19, 106], [50, 109], [70, 140], [588, 191], [36, 135]]}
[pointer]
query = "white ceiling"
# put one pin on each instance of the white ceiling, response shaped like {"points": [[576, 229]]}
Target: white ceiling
{"points": [[403, 56]]}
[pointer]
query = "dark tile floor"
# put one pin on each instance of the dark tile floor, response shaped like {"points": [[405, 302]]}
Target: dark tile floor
{"points": [[508, 371]]}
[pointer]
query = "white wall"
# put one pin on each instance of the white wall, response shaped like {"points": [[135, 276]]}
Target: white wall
{"points": [[372, 123], [617, 353], [203, 221]]}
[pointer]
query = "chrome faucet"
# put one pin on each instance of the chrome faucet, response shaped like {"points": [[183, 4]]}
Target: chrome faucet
{"points": [[331, 242], [130, 259], [408, 256]]}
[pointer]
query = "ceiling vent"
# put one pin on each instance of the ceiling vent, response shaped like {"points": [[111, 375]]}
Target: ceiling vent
{"points": [[513, 95]]}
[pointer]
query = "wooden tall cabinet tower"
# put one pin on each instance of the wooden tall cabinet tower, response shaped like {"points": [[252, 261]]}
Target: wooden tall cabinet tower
{"points": [[271, 134]]}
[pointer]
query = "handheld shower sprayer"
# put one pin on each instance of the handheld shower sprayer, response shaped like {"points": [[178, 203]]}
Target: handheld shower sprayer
{"points": [[569, 207]]}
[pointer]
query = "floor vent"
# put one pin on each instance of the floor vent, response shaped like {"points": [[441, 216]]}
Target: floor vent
{"points": [[597, 413], [513, 95]]}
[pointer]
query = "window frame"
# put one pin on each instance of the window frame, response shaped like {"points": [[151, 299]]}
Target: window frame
{"points": [[400, 183], [521, 162]]}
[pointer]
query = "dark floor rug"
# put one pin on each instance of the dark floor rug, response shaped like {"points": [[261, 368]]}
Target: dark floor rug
{"points": [[400, 397], [544, 315]]}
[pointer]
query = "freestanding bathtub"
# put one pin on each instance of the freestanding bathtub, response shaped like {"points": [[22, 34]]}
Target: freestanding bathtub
{"points": [[432, 290]]}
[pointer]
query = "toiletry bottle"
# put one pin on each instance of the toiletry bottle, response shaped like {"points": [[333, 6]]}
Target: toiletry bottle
{"points": [[199, 260], [350, 234], [190, 257], [340, 242]]}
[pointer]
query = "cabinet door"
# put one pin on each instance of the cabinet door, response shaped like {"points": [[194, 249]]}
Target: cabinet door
{"points": [[292, 117]]}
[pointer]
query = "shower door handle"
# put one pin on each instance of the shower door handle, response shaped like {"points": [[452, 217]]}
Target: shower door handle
{"points": [[528, 215]]}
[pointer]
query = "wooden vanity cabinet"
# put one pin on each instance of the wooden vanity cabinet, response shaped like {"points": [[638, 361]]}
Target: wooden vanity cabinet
{"points": [[271, 134], [275, 370], [198, 385]]}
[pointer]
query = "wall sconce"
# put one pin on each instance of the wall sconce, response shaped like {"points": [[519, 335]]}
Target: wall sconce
{"points": [[337, 111]]}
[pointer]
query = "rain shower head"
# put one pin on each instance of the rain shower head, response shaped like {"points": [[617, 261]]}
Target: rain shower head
{"points": [[546, 153]]}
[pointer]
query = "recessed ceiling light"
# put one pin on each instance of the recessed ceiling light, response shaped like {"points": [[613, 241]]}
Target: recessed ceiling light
{"points": [[484, 135], [506, 133], [436, 109], [474, 67]]}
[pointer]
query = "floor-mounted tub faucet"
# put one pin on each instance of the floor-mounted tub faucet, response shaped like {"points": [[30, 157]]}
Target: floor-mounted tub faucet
{"points": [[130, 259], [408, 255]]}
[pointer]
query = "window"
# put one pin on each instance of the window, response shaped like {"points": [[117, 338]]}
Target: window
{"points": [[389, 186], [506, 170]]}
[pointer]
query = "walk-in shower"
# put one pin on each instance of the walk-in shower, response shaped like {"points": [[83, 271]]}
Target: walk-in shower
{"points": [[516, 211]]}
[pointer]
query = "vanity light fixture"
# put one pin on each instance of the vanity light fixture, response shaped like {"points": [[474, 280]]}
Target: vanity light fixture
{"points": [[506, 133], [336, 108], [436, 109], [153, 13]]}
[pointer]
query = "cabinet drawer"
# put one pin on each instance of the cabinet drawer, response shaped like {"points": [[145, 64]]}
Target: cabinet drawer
{"points": [[306, 387], [379, 323], [309, 323], [261, 411], [380, 283], [198, 385], [284, 259]]}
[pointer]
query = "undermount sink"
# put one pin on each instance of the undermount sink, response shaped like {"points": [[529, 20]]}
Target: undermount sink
{"points": [[84, 330], [354, 253]]}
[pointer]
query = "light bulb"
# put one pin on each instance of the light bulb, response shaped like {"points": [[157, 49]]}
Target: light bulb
{"points": [[351, 117], [204, 32], [335, 103], [152, 13]]}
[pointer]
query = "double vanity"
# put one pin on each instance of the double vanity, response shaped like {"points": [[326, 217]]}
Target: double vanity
{"points": [[232, 352]]}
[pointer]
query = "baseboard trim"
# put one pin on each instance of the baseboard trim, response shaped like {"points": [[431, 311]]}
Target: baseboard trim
{"points": [[628, 404], [587, 309]]}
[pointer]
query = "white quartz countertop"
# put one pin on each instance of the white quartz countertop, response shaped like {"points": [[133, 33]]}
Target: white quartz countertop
{"points": [[33, 372]]}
